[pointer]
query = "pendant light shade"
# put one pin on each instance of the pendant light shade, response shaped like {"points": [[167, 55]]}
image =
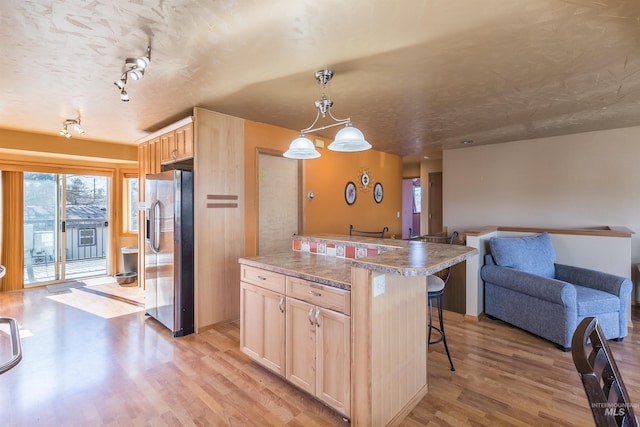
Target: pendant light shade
{"points": [[349, 139], [301, 148]]}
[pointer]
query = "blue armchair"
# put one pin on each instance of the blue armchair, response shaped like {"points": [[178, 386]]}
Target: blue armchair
{"points": [[526, 288]]}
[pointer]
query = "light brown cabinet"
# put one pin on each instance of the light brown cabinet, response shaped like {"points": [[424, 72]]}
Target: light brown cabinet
{"points": [[184, 142], [300, 330], [318, 343], [177, 145], [154, 156], [214, 145], [262, 317]]}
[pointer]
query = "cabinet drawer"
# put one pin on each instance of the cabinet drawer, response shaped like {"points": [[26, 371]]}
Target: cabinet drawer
{"points": [[263, 278], [321, 295]]}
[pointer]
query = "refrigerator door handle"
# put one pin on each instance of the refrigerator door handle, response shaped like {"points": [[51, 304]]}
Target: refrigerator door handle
{"points": [[154, 229]]}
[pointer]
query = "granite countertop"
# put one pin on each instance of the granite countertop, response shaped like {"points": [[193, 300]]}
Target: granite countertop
{"points": [[326, 270], [407, 258], [417, 258]]}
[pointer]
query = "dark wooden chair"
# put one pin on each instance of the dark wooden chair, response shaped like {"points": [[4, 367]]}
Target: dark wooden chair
{"points": [[607, 395], [354, 232]]}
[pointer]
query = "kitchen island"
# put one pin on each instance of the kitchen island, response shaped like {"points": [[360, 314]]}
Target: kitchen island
{"points": [[344, 318]]}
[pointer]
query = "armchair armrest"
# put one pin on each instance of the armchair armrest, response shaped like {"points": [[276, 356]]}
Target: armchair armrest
{"points": [[541, 287], [605, 282]]}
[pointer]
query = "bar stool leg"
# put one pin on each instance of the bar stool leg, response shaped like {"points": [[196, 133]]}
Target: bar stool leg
{"points": [[430, 321], [444, 337]]}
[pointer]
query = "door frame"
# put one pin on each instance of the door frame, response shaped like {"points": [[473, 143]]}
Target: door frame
{"points": [[109, 173]]}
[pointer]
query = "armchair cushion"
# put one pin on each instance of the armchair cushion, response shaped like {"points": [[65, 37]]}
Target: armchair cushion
{"points": [[591, 301], [531, 254]]}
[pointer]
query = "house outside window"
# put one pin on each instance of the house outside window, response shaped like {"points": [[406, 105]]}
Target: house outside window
{"points": [[87, 237]]}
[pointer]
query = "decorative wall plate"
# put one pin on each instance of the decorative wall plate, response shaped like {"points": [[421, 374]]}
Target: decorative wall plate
{"points": [[377, 192], [350, 193], [364, 179]]}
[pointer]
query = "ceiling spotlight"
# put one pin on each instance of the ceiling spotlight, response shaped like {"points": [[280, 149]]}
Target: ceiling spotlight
{"points": [[134, 70], [74, 125], [136, 73], [121, 82], [347, 139]]}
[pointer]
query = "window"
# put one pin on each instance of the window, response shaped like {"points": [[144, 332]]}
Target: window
{"points": [[130, 203], [417, 198], [86, 237]]}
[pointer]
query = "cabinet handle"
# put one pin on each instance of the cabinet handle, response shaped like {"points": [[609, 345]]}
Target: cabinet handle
{"points": [[315, 294], [281, 304], [317, 315], [262, 278], [311, 316]]}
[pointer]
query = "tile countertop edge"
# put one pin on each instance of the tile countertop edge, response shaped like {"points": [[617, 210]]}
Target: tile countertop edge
{"points": [[295, 273]]}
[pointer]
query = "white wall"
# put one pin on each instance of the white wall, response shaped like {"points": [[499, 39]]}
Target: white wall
{"points": [[581, 180]]}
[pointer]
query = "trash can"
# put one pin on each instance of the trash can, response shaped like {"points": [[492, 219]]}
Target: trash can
{"points": [[130, 259]]}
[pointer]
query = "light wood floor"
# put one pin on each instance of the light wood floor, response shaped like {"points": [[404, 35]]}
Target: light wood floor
{"points": [[82, 369]]}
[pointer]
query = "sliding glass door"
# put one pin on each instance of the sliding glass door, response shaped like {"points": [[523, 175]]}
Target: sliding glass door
{"points": [[65, 227]]}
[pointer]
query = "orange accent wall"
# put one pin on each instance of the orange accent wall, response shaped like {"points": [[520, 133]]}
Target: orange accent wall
{"points": [[327, 177]]}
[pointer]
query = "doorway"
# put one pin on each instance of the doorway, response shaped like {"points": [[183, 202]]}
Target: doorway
{"points": [[278, 202], [435, 203], [65, 227]]}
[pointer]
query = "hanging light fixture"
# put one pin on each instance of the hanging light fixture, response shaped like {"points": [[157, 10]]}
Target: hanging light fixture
{"points": [[74, 125], [133, 69], [348, 139]]}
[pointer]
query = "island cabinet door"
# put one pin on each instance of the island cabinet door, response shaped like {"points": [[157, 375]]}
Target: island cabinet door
{"points": [[333, 359], [262, 326], [300, 344]]}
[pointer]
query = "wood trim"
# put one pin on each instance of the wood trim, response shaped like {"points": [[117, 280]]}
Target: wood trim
{"points": [[361, 369], [604, 231], [400, 416], [480, 231], [222, 204], [169, 128], [472, 318], [58, 168]]}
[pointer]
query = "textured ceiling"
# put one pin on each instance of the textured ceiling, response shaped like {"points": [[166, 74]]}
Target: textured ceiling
{"points": [[415, 76]]}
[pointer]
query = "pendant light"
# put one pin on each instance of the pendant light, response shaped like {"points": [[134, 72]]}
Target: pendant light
{"points": [[348, 139]]}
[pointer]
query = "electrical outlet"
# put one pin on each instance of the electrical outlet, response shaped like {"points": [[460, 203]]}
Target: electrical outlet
{"points": [[378, 285]]}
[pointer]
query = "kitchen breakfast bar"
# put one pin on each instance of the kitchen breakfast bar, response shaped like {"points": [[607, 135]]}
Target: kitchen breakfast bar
{"points": [[345, 319]]}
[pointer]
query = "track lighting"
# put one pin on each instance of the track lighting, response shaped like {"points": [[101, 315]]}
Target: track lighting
{"points": [[347, 139], [133, 69], [74, 125]]}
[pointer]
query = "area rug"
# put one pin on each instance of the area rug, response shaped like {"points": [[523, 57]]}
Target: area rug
{"points": [[65, 287], [129, 295]]}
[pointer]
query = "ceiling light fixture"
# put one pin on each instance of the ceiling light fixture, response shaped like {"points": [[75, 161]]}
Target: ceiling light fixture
{"points": [[348, 139], [74, 125], [133, 69]]}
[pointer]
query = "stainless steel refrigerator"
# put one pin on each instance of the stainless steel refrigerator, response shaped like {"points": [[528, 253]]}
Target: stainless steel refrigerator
{"points": [[169, 250]]}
